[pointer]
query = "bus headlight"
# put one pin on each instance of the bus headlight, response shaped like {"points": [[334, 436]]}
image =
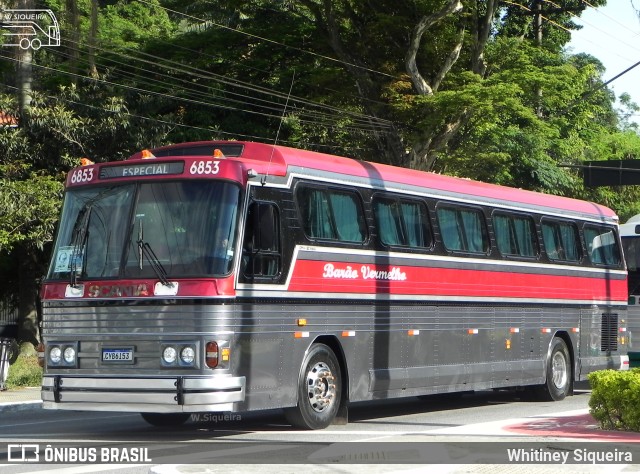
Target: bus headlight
{"points": [[187, 355], [69, 355], [62, 354], [179, 354], [55, 355], [169, 355]]}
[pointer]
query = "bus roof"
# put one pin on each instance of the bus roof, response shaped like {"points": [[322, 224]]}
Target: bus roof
{"points": [[277, 160]]}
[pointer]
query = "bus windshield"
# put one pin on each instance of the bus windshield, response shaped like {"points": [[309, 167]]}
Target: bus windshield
{"points": [[147, 230]]}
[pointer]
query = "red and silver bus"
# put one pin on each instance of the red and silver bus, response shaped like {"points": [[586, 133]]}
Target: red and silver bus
{"points": [[234, 276]]}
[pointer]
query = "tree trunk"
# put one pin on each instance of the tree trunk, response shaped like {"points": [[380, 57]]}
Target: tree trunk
{"points": [[29, 273], [93, 34], [24, 71], [74, 38]]}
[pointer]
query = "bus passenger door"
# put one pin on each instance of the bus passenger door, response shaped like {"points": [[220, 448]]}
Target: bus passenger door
{"points": [[261, 252], [260, 322]]}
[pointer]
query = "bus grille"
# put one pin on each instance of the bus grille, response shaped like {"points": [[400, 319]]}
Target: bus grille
{"points": [[609, 332]]}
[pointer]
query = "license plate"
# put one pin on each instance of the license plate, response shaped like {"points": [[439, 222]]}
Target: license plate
{"points": [[117, 355]]}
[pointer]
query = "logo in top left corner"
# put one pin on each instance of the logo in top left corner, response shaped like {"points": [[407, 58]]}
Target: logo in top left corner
{"points": [[29, 28], [23, 453]]}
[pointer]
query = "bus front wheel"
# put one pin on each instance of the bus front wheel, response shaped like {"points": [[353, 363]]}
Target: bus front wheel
{"points": [[559, 372], [165, 419], [319, 390]]}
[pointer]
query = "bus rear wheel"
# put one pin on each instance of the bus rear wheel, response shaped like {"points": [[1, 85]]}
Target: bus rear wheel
{"points": [[319, 390], [559, 373], [165, 419]]}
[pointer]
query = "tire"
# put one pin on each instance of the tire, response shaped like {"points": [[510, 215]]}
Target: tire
{"points": [[559, 373], [319, 390], [165, 419]]}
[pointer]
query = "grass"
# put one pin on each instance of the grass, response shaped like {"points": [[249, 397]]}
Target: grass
{"points": [[24, 372]]}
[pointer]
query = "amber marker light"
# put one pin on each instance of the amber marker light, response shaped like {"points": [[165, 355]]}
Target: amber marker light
{"points": [[147, 155], [217, 153], [86, 162], [226, 354]]}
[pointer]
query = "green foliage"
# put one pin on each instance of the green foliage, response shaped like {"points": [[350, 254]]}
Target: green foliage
{"points": [[24, 369], [29, 208], [25, 372], [615, 399], [125, 24]]}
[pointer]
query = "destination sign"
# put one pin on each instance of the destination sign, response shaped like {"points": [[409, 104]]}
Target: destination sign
{"points": [[144, 169]]}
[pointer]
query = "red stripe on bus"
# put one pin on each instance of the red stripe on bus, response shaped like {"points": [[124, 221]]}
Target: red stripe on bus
{"points": [[315, 276]]}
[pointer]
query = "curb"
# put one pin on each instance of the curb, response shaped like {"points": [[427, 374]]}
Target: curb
{"points": [[13, 407]]}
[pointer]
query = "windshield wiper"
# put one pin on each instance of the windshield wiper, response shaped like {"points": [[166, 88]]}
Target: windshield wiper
{"points": [[79, 243], [145, 250]]}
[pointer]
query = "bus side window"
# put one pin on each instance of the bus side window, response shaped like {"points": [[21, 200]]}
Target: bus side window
{"points": [[602, 245], [261, 255], [561, 241]]}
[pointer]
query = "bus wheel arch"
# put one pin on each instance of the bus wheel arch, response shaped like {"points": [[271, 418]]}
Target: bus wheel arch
{"points": [[320, 386], [559, 369]]}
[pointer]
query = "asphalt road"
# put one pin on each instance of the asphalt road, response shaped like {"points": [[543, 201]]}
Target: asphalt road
{"points": [[388, 436]]}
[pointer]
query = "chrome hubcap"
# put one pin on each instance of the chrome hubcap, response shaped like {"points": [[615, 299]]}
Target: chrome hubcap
{"points": [[559, 370], [321, 388]]}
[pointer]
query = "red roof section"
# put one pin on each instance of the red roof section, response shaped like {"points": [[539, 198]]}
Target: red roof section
{"points": [[275, 159]]}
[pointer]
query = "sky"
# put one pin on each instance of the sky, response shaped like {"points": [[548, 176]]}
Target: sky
{"points": [[612, 34]]}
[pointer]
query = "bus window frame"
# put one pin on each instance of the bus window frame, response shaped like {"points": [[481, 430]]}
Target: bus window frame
{"points": [[426, 221], [579, 236], [617, 238], [487, 237], [302, 185], [250, 253], [530, 217]]}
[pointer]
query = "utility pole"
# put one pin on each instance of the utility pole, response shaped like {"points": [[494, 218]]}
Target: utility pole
{"points": [[537, 21]]}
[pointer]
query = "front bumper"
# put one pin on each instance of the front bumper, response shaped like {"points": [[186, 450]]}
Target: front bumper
{"points": [[150, 394]]}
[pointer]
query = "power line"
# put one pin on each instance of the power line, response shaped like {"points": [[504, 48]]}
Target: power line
{"points": [[175, 124], [147, 74], [186, 69], [164, 95], [267, 40]]}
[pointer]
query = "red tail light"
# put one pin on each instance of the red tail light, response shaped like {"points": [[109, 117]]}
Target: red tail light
{"points": [[211, 355]]}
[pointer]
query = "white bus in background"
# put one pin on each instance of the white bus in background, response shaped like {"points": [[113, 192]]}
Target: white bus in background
{"points": [[29, 28], [630, 236]]}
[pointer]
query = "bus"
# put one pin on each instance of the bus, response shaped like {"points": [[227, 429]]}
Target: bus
{"points": [[630, 236], [231, 276]]}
